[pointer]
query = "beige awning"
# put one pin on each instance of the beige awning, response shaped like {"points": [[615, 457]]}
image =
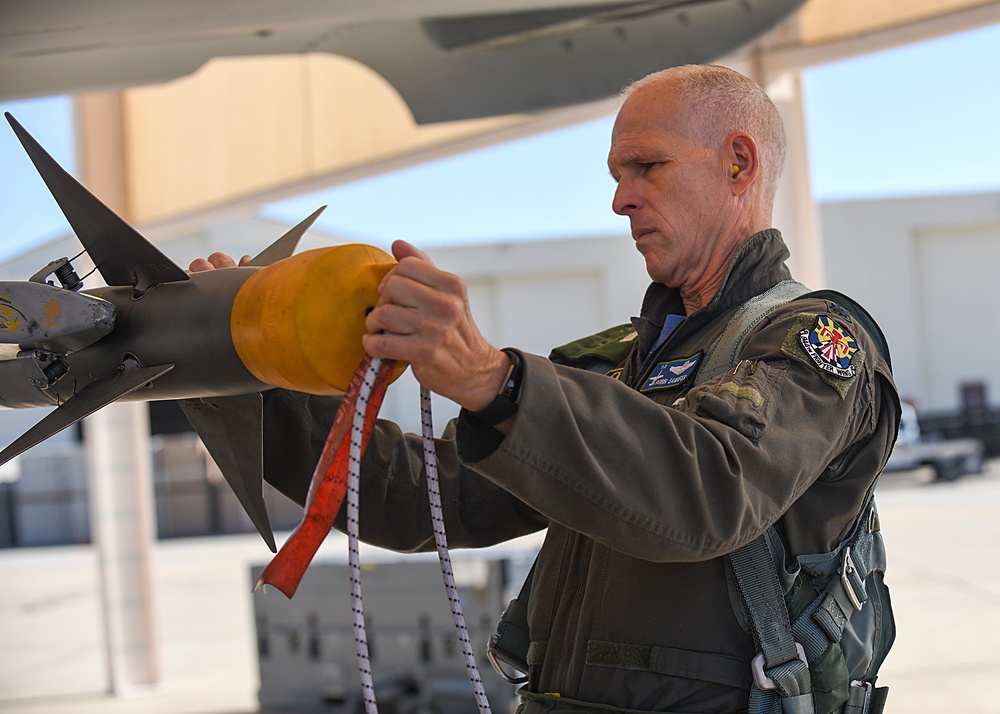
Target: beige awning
{"points": [[243, 131]]}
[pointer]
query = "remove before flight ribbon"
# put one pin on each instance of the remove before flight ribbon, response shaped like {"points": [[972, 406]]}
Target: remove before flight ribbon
{"points": [[329, 483]]}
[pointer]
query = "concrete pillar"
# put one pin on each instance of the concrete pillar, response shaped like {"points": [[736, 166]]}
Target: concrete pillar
{"points": [[795, 211], [120, 470], [117, 445]]}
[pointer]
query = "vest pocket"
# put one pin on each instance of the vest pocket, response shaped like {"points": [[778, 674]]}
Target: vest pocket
{"points": [[742, 398]]}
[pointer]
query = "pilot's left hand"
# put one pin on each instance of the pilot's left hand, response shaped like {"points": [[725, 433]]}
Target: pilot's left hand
{"points": [[216, 260]]}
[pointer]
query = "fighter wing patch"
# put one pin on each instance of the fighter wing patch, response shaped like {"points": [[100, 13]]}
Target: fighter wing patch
{"points": [[667, 375], [824, 344]]}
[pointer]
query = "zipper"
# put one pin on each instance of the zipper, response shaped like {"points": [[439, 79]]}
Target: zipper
{"points": [[636, 379]]}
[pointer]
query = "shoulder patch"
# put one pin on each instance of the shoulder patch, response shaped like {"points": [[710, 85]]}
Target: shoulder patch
{"points": [[824, 344], [671, 374]]}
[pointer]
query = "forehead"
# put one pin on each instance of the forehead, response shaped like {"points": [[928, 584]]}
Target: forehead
{"points": [[651, 117]]}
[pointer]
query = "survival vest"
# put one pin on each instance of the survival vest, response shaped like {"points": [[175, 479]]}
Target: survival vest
{"points": [[822, 621]]}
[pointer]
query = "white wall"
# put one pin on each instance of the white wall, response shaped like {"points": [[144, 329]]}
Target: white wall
{"points": [[928, 269], [925, 267], [535, 296]]}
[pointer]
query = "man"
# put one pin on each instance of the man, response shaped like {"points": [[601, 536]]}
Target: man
{"points": [[645, 476]]}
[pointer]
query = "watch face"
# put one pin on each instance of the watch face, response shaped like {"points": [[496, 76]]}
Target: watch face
{"points": [[513, 384]]}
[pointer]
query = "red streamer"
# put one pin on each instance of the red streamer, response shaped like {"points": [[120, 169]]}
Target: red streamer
{"points": [[329, 484]]}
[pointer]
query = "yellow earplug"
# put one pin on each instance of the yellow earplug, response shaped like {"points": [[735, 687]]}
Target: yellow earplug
{"points": [[736, 170]]}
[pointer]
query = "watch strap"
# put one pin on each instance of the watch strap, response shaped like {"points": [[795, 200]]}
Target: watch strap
{"points": [[505, 403]]}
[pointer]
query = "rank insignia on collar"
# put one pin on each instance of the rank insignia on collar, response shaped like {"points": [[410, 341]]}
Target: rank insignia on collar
{"points": [[834, 307], [830, 347], [667, 375]]}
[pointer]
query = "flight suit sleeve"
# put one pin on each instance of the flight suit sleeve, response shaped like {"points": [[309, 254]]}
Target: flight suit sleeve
{"points": [[394, 508], [695, 476]]}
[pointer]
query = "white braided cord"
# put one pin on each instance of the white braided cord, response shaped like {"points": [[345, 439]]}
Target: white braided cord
{"points": [[441, 540], [353, 477]]}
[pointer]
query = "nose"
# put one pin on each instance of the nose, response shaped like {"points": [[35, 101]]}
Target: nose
{"points": [[625, 200]]}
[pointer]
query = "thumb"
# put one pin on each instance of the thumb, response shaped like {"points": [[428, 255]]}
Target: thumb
{"points": [[401, 249]]}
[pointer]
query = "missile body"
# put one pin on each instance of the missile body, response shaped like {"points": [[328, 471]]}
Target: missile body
{"points": [[185, 324], [212, 340], [297, 323]]}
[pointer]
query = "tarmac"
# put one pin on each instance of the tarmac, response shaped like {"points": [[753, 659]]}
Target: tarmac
{"points": [[942, 540]]}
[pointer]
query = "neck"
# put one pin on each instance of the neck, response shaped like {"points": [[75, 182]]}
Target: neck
{"points": [[699, 297], [699, 293]]}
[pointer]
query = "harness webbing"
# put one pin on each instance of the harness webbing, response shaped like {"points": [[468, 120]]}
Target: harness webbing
{"points": [[781, 674], [781, 682], [723, 353]]}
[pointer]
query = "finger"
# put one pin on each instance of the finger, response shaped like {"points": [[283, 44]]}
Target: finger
{"points": [[412, 263], [221, 260], [399, 288], [245, 260], [383, 346], [200, 264], [415, 280], [393, 319]]}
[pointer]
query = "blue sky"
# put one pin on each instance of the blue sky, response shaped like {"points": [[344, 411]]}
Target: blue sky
{"points": [[915, 120], [28, 214]]}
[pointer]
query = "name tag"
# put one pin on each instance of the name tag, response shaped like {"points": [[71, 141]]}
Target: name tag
{"points": [[675, 373]]}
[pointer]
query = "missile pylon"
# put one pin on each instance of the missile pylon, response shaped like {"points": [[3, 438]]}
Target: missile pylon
{"points": [[215, 340]]}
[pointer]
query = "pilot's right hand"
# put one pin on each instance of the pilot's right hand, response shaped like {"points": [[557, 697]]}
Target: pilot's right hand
{"points": [[216, 260], [423, 318]]}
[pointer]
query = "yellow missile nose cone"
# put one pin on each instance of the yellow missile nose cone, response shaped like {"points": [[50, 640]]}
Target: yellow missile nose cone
{"points": [[298, 323]]}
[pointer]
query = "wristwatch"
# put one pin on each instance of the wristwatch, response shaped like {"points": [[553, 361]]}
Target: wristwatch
{"points": [[505, 402]]}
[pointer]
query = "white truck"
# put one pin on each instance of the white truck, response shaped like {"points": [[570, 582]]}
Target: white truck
{"points": [[950, 458]]}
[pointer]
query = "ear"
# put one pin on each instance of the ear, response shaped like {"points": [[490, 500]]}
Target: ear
{"points": [[741, 158]]}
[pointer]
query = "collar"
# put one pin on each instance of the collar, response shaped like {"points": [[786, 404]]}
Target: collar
{"points": [[758, 265]]}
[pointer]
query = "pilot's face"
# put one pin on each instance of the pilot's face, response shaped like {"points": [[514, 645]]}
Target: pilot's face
{"points": [[672, 187]]}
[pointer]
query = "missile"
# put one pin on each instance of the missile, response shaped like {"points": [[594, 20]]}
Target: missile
{"points": [[213, 340]]}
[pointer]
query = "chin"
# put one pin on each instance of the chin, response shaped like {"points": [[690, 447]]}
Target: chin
{"points": [[656, 273]]}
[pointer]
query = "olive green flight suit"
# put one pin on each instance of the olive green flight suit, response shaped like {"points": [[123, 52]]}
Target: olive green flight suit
{"points": [[644, 483]]}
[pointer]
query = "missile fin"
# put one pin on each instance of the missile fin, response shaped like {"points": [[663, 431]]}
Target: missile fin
{"points": [[232, 429], [120, 253], [285, 246], [88, 400]]}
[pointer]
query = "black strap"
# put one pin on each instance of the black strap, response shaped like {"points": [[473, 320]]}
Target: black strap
{"points": [[509, 644]]}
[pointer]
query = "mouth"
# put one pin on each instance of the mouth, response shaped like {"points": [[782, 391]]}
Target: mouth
{"points": [[640, 232]]}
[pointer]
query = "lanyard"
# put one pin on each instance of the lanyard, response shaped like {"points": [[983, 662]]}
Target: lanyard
{"points": [[337, 476]]}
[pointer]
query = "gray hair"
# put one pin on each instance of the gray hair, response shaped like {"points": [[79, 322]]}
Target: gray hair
{"points": [[725, 102]]}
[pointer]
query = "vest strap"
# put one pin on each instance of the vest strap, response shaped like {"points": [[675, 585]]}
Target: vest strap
{"points": [[781, 670], [724, 351], [701, 666]]}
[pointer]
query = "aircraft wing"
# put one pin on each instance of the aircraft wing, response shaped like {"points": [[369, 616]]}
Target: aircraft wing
{"points": [[511, 56]]}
